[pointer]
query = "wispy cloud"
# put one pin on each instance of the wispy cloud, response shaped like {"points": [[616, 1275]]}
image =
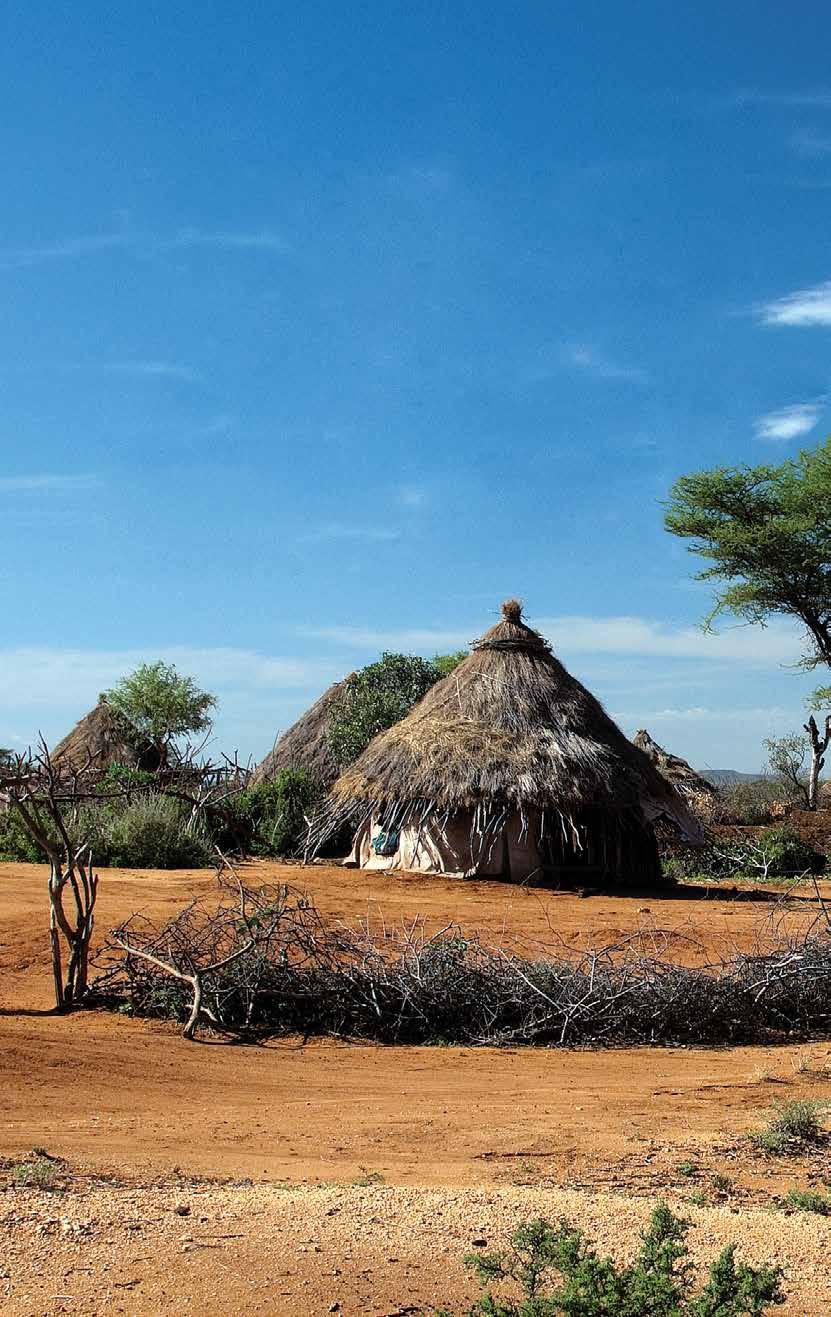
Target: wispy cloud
{"points": [[46, 483], [42, 676], [73, 248], [412, 496], [764, 716], [810, 98], [171, 370], [774, 644], [18, 258], [584, 357], [806, 307], [811, 145], [788, 422], [261, 240], [336, 530]]}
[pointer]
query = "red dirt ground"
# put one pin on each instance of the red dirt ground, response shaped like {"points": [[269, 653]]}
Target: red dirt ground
{"points": [[131, 1099]]}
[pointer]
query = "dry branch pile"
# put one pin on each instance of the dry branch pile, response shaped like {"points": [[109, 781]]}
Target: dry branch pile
{"points": [[266, 963]]}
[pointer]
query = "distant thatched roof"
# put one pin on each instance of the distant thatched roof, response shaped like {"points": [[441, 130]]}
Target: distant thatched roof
{"points": [[676, 770], [98, 741], [509, 728], [305, 744]]}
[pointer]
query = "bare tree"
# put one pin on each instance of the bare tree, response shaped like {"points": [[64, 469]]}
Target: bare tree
{"points": [[45, 795], [786, 761], [48, 797]]}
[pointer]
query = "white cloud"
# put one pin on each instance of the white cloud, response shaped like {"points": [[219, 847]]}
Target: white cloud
{"points": [[65, 249], [808, 306], [412, 496], [171, 370], [45, 483], [581, 356], [811, 145], [788, 422], [818, 98], [262, 240], [39, 676], [764, 716], [336, 530], [777, 643]]}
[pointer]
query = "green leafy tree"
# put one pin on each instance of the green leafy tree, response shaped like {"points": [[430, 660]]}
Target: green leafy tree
{"points": [[158, 706], [376, 697], [446, 663], [766, 533], [657, 1284]]}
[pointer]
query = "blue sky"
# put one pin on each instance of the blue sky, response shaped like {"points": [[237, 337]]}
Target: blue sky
{"points": [[324, 327]]}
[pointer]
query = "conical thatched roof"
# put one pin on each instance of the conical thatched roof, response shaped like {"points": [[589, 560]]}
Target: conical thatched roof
{"points": [[305, 744], [676, 770], [509, 728], [96, 742]]}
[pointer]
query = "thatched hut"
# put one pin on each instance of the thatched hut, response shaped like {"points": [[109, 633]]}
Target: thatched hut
{"points": [[305, 744], [99, 740], [508, 767], [695, 789]]}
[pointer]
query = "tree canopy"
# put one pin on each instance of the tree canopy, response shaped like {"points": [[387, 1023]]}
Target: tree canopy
{"points": [[766, 532], [379, 695], [158, 705]]}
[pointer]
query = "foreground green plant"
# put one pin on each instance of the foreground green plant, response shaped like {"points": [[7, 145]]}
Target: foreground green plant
{"points": [[792, 1127], [657, 1284], [40, 1170], [808, 1200]]}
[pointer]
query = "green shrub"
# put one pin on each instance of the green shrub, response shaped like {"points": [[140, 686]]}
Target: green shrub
{"points": [[789, 852], [40, 1170], [270, 819], [808, 1200], [657, 1284], [792, 1126], [154, 832], [374, 698], [15, 842]]}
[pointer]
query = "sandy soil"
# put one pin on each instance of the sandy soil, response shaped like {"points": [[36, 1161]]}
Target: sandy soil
{"points": [[465, 1140]]}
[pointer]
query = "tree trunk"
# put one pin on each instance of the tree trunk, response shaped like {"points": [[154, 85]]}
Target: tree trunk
{"points": [[819, 745]]}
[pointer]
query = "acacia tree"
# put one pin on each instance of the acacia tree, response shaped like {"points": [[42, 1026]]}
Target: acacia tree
{"points": [[158, 706], [766, 533]]}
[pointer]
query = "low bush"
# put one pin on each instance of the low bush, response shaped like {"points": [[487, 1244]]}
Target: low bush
{"points": [[557, 1271], [792, 1127], [808, 1200], [154, 832], [40, 1170]]}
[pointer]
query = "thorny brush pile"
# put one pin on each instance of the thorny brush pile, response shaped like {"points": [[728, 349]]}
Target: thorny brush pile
{"points": [[265, 962]]}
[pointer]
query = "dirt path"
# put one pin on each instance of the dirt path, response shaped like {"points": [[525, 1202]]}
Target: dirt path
{"points": [[131, 1098]]}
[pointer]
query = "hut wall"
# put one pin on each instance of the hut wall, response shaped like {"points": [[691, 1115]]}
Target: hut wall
{"points": [[451, 848]]}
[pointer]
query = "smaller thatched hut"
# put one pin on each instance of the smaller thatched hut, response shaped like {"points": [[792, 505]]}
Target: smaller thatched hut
{"points": [[507, 767], [695, 789], [99, 740], [305, 744]]}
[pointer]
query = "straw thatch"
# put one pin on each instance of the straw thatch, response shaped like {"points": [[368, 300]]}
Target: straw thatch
{"points": [[99, 740], [510, 733], [305, 744], [690, 784]]}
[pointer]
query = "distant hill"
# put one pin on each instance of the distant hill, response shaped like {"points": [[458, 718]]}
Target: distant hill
{"points": [[720, 776]]}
